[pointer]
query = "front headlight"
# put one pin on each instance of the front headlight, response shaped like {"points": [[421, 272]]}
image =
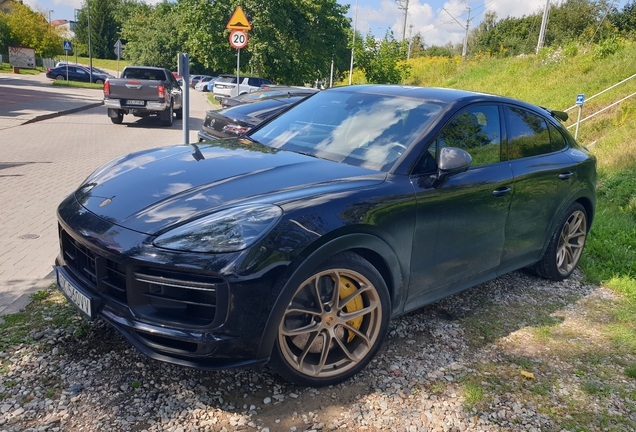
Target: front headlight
{"points": [[225, 231]]}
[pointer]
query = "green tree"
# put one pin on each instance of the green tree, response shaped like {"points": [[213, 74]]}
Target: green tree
{"points": [[292, 41], [625, 20], [104, 28], [29, 28], [417, 46], [154, 37], [382, 60]]}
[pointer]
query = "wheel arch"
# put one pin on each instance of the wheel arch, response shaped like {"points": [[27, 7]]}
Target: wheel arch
{"points": [[372, 248]]}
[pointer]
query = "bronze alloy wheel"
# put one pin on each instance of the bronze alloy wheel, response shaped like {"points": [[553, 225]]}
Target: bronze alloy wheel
{"points": [[332, 324], [571, 242]]}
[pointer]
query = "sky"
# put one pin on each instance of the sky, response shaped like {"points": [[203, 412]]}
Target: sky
{"points": [[434, 19]]}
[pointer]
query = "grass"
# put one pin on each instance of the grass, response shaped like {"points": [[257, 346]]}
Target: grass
{"points": [[214, 102], [99, 63], [5, 68], [77, 84]]}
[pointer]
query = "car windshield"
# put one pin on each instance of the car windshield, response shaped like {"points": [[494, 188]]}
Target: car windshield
{"points": [[361, 129], [227, 79]]}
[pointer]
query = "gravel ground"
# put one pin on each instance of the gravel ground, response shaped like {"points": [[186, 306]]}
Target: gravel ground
{"points": [[76, 375]]}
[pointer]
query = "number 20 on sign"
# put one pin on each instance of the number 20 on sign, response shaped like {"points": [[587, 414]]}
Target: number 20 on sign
{"points": [[238, 39]]}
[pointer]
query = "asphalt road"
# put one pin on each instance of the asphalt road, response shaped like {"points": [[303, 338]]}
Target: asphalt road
{"points": [[43, 161]]}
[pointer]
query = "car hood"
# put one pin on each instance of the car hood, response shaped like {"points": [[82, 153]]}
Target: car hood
{"points": [[153, 190]]}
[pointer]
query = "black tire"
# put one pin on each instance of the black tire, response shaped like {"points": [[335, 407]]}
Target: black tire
{"points": [[179, 113], [170, 116], [99, 81], [119, 119], [566, 245], [352, 331], [60, 78]]}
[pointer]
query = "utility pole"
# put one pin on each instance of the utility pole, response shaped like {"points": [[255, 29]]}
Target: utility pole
{"points": [[405, 7], [353, 43], [75, 33], [544, 25], [462, 25], [408, 52]]}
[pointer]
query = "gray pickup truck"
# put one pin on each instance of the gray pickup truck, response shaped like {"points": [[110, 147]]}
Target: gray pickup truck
{"points": [[143, 91]]}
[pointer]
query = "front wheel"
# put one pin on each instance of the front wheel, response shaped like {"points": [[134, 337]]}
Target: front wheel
{"points": [[334, 324], [179, 113], [566, 245]]}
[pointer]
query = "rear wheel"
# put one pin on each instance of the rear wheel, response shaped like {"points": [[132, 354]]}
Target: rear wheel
{"points": [[99, 81], [566, 245], [334, 324], [119, 119], [60, 78], [169, 116]]}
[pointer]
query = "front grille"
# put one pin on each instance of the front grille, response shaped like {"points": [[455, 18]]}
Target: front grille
{"points": [[163, 296], [100, 274]]}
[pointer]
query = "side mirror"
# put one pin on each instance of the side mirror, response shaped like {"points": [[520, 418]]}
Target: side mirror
{"points": [[452, 161]]}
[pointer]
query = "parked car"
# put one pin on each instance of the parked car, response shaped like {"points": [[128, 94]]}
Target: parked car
{"points": [[211, 84], [77, 73], [278, 92], [202, 85], [143, 91], [194, 79], [299, 241], [226, 86], [239, 119]]}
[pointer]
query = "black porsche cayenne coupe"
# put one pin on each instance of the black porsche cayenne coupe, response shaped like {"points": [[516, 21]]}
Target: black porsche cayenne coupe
{"points": [[298, 242]]}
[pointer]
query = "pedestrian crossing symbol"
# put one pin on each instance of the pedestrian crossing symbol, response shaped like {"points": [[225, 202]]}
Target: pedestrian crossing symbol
{"points": [[68, 46]]}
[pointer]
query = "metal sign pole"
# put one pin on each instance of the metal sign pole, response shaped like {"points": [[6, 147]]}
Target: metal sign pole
{"points": [[578, 122], [66, 65], [238, 68], [184, 70]]}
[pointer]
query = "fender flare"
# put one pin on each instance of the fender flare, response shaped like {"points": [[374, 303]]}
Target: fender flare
{"points": [[303, 270], [582, 193]]}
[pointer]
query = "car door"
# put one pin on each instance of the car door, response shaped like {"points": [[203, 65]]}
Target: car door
{"points": [[543, 181], [81, 75], [459, 234]]}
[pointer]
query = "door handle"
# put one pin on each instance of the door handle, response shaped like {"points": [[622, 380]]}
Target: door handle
{"points": [[566, 175], [501, 191]]}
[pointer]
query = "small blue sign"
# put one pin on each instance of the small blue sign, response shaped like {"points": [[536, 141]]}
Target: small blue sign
{"points": [[580, 99], [68, 46]]}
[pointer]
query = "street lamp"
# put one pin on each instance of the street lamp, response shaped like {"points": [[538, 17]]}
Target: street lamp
{"points": [[75, 13], [353, 42], [90, 51]]}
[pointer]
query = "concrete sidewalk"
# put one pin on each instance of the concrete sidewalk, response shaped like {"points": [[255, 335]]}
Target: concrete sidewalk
{"points": [[47, 152], [28, 98]]}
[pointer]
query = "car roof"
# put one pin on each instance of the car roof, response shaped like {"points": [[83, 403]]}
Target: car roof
{"points": [[443, 95]]}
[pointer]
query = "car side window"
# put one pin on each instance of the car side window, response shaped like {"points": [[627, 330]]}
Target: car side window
{"points": [[557, 139], [527, 134], [476, 130], [81, 71]]}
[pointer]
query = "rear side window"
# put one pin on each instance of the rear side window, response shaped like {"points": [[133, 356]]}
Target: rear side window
{"points": [[557, 139], [527, 134]]}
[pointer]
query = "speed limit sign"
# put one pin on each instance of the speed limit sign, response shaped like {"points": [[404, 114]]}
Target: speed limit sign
{"points": [[238, 39]]}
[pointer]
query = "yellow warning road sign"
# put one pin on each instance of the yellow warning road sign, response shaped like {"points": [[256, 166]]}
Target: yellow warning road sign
{"points": [[239, 21]]}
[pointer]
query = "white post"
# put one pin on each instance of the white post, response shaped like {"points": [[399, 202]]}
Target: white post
{"points": [[578, 122], [331, 75], [184, 70], [90, 51], [66, 66]]}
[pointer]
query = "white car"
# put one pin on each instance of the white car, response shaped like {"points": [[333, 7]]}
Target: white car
{"points": [[226, 86], [202, 85]]}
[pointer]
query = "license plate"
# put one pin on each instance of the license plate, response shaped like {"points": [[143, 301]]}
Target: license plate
{"points": [[135, 102], [78, 299]]}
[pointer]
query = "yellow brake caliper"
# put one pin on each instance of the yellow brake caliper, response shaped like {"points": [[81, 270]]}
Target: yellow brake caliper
{"points": [[347, 287]]}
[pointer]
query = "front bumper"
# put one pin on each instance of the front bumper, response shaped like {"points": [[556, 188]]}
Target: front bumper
{"points": [[173, 307]]}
